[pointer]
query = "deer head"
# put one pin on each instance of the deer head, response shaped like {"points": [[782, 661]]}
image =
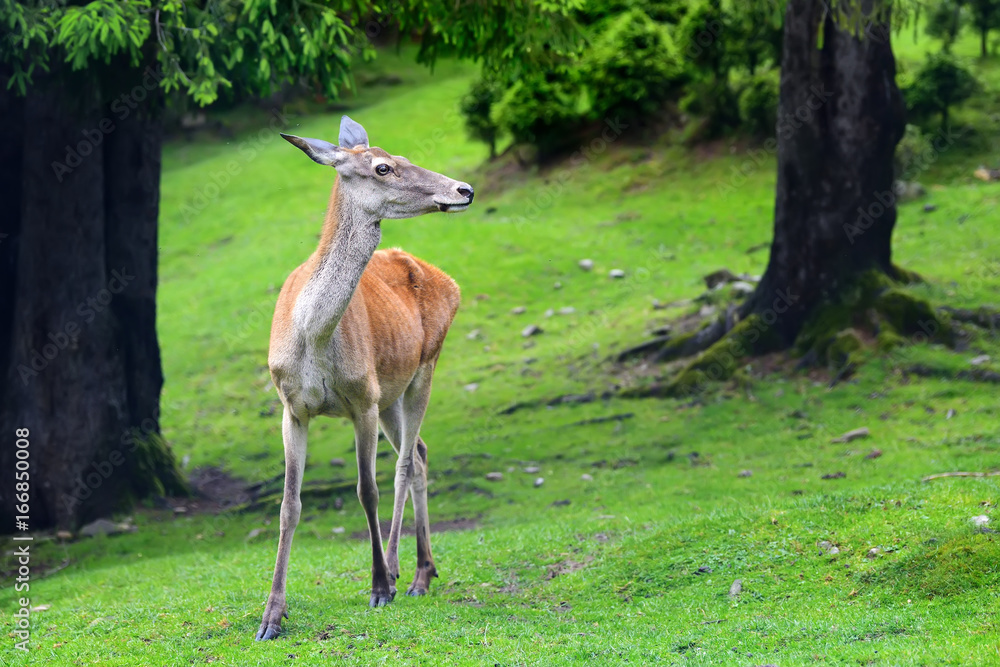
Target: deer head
{"points": [[385, 186]]}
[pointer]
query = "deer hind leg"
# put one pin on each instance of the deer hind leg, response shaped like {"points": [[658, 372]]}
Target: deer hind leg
{"points": [[392, 425], [366, 442], [415, 401], [294, 433]]}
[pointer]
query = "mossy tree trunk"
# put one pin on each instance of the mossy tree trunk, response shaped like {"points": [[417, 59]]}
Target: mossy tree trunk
{"points": [[840, 118], [77, 300]]}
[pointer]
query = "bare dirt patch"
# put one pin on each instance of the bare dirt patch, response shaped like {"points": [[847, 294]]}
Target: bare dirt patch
{"points": [[436, 527]]}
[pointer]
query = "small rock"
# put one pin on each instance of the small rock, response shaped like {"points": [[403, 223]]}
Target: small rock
{"points": [[856, 434], [567, 310], [475, 334], [472, 386], [840, 474], [64, 535], [827, 547], [616, 273], [742, 287], [549, 312], [101, 527], [980, 521], [338, 503], [531, 470], [586, 478], [254, 533], [980, 360], [338, 462], [494, 476], [736, 588], [704, 569], [180, 509], [557, 285], [185, 461], [707, 311], [531, 330], [586, 264], [337, 530], [746, 473], [872, 553], [873, 454], [951, 413], [539, 481], [519, 310], [928, 208]]}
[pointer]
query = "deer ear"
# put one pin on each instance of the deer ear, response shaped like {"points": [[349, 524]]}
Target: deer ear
{"points": [[352, 134], [322, 152]]}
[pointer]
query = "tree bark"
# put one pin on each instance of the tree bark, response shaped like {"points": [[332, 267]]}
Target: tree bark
{"points": [[81, 357], [840, 118]]}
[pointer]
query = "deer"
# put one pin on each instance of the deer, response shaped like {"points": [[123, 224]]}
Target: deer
{"points": [[357, 333]]}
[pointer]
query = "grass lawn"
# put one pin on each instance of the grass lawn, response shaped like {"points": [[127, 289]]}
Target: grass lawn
{"points": [[649, 511]]}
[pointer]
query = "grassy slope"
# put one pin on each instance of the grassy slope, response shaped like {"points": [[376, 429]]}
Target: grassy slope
{"points": [[614, 575]]}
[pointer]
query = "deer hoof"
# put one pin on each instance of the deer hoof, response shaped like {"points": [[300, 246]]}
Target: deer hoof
{"points": [[268, 631], [379, 599]]}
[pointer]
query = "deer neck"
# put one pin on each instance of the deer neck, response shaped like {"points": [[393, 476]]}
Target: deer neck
{"points": [[348, 241]]}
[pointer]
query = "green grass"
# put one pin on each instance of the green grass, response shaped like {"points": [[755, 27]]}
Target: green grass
{"points": [[637, 566]]}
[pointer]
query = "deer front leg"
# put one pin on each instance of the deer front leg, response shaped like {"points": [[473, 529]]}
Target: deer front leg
{"points": [[294, 433], [366, 442]]}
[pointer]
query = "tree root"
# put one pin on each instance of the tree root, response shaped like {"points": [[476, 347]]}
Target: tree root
{"points": [[983, 318], [942, 475], [975, 375]]}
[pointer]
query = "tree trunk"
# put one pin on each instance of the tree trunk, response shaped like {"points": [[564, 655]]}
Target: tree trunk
{"points": [[81, 355], [983, 50], [840, 118]]}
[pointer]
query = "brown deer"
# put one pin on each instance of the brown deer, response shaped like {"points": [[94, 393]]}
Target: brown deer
{"points": [[356, 334]]}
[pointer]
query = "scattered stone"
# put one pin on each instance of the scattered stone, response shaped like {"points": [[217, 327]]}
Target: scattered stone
{"points": [[874, 454], [185, 461], [494, 476], [560, 503], [587, 478], [549, 312], [180, 509], [856, 434], [616, 273], [539, 481], [519, 310], [475, 334], [929, 208], [663, 330], [736, 588], [338, 503], [254, 533], [746, 473], [586, 264], [531, 470], [64, 535], [980, 360], [531, 330], [985, 174], [105, 527], [567, 310], [840, 474], [980, 521], [659, 305], [742, 288], [557, 285], [472, 386], [704, 569], [707, 310], [828, 548], [338, 463], [907, 190], [872, 553], [951, 413]]}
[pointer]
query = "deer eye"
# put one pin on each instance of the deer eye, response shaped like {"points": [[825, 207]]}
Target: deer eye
{"points": [[382, 169]]}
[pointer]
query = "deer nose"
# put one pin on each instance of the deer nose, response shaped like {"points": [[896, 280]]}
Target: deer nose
{"points": [[466, 191]]}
